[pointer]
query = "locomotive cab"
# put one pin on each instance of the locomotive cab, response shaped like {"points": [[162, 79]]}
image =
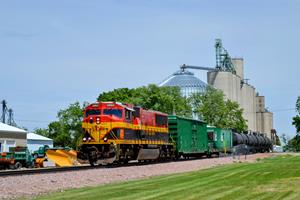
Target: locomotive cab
{"points": [[114, 111], [100, 117]]}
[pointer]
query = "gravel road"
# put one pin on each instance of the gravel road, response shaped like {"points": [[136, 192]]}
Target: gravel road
{"points": [[35, 184]]}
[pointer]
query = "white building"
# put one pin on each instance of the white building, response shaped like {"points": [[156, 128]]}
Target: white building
{"points": [[34, 141], [11, 137]]}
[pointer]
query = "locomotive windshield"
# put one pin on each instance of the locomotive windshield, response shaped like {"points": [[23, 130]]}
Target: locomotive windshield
{"points": [[92, 112], [114, 112]]}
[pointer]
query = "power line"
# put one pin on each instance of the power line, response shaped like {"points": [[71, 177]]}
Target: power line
{"points": [[276, 110], [32, 120], [284, 109]]}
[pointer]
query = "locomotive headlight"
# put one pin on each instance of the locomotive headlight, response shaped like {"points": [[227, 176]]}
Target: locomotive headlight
{"points": [[98, 120], [84, 139], [89, 139], [105, 139]]}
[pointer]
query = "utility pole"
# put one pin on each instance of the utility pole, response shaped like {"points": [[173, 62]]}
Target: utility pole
{"points": [[10, 117], [4, 108], [9, 112]]}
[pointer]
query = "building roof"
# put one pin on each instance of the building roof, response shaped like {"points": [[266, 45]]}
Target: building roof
{"points": [[8, 128], [183, 78], [33, 136]]}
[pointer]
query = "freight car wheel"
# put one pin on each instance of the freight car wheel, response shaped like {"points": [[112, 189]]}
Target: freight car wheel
{"points": [[92, 162]]}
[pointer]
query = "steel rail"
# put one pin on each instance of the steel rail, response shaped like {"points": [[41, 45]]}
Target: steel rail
{"points": [[20, 172], [45, 170]]}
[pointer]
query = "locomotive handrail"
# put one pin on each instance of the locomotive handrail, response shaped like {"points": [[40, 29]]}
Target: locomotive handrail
{"points": [[114, 135]]}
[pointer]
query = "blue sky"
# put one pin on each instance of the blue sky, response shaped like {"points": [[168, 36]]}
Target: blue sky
{"points": [[53, 53]]}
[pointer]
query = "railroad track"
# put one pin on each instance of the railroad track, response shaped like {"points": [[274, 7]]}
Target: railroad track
{"points": [[73, 168], [62, 169], [45, 170], [76, 168]]}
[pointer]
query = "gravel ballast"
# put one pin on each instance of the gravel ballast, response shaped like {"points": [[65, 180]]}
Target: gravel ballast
{"points": [[35, 184]]}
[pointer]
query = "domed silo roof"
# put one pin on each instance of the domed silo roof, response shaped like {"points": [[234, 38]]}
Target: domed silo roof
{"points": [[187, 82]]}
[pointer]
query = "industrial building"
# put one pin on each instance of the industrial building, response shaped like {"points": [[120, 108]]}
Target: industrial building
{"points": [[228, 76], [187, 82], [236, 88], [34, 141], [11, 137]]}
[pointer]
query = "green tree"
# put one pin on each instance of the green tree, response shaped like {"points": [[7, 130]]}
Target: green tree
{"points": [[120, 95], [58, 132], [70, 120], [284, 139], [67, 130], [213, 109], [294, 144], [42, 131], [234, 116], [296, 123], [164, 99], [210, 105], [296, 119]]}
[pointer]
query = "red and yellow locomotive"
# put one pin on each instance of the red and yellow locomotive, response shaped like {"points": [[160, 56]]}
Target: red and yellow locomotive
{"points": [[116, 132]]}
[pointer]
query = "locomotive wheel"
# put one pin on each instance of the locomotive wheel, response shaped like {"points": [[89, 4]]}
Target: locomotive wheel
{"points": [[92, 155], [176, 156], [124, 161]]}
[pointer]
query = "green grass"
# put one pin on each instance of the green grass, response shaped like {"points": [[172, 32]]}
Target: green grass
{"points": [[272, 178]]}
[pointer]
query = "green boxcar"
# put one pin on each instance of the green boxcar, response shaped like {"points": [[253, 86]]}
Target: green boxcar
{"points": [[189, 136], [219, 140]]}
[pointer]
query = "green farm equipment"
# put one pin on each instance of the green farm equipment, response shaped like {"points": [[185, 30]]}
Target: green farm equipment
{"points": [[16, 158], [41, 152]]}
